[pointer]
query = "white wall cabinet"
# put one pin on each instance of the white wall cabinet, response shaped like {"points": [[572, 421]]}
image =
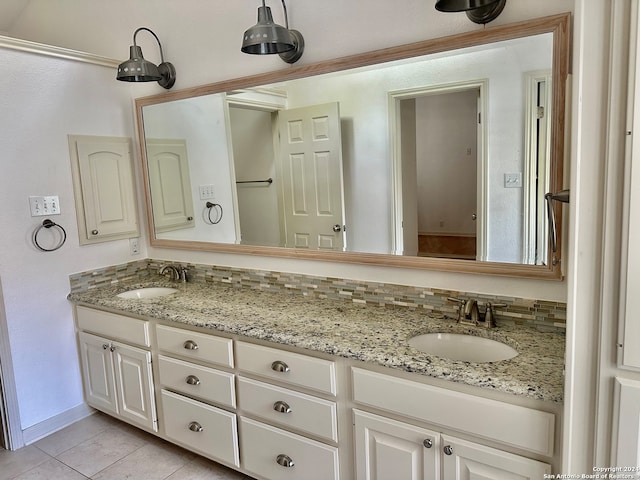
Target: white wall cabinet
{"points": [[105, 198], [117, 379], [626, 441], [170, 184]]}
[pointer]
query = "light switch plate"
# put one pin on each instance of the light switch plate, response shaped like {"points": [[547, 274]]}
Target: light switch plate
{"points": [[207, 192], [512, 180], [44, 205]]}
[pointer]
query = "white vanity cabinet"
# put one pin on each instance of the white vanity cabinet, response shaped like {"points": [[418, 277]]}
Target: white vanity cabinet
{"points": [[286, 433], [117, 376], [197, 397], [384, 445]]}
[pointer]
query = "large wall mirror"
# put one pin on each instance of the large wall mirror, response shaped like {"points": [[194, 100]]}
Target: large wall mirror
{"points": [[433, 155]]}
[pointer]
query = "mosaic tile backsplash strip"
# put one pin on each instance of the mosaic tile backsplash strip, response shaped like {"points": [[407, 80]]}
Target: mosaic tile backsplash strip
{"points": [[544, 315]]}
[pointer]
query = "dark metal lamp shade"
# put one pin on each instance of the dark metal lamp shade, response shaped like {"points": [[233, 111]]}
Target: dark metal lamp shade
{"points": [[478, 11], [267, 37], [137, 69]]}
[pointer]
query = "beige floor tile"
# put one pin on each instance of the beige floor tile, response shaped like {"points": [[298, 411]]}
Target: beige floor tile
{"points": [[50, 470], [74, 434], [102, 450], [154, 461], [20, 461], [202, 469]]}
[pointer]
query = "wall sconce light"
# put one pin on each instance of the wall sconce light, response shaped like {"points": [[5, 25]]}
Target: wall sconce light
{"points": [[267, 37], [137, 69], [478, 11]]}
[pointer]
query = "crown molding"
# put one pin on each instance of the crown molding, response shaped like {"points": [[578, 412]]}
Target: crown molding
{"points": [[58, 52]]}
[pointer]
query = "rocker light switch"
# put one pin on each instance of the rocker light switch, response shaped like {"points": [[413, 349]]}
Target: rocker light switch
{"points": [[512, 180]]}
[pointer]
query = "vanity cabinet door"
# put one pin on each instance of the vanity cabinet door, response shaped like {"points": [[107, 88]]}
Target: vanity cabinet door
{"points": [[463, 460], [117, 379], [97, 373], [134, 385], [386, 448]]}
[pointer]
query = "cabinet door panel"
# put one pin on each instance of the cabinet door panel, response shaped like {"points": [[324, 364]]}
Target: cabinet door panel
{"points": [[97, 372], [388, 449], [471, 461], [135, 386], [105, 194]]}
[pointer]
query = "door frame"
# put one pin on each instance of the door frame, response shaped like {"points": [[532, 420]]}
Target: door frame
{"points": [[533, 193], [394, 99], [9, 411]]}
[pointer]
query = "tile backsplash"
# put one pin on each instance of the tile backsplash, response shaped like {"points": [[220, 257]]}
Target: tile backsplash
{"points": [[543, 314]]}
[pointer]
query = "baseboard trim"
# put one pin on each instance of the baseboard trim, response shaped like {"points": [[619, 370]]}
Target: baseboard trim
{"points": [[55, 423]]}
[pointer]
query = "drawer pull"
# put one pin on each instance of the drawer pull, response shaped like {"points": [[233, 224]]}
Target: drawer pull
{"points": [[448, 450], [190, 345], [279, 366], [284, 461], [193, 380], [281, 407], [195, 427], [428, 443]]}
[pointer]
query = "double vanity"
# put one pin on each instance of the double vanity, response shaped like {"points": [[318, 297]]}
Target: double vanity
{"points": [[279, 385]]}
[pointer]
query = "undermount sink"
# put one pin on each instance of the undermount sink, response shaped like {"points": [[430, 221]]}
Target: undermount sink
{"points": [[467, 348], [148, 292]]}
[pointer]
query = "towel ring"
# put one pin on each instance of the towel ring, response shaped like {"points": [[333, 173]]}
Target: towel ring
{"points": [[48, 224], [219, 212]]}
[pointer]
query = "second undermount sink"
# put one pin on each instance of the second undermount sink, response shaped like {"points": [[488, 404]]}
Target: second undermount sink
{"points": [[467, 348], [148, 292]]}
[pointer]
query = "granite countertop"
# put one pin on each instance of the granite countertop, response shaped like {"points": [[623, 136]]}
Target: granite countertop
{"points": [[372, 334]]}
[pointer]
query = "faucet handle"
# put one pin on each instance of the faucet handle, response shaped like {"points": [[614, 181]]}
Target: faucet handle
{"points": [[461, 303], [489, 314]]}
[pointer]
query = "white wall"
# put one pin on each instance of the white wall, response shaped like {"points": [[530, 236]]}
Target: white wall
{"points": [[253, 159], [43, 100], [447, 129]]}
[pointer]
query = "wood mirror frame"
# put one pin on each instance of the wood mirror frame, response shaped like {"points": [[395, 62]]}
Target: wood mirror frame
{"points": [[558, 25]]}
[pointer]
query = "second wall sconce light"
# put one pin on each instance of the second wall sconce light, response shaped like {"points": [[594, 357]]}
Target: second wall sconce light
{"points": [[137, 69], [267, 37], [478, 11]]}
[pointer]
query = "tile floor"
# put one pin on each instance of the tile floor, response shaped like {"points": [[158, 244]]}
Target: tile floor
{"points": [[99, 447]]}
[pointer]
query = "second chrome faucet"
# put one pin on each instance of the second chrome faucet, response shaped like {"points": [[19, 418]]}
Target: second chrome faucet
{"points": [[176, 273], [469, 313]]}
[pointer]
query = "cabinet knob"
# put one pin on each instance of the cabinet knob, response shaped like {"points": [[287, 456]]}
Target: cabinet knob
{"points": [[195, 427], [279, 366], [190, 345], [284, 461], [281, 407], [94, 232], [112, 348], [189, 219], [448, 450], [193, 380], [428, 443], [105, 346]]}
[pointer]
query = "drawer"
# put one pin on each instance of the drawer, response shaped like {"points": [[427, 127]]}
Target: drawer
{"points": [[263, 447], [111, 325], [197, 381], [513, 425], [292, 368], [288, 408], [199, 346], [205, 429]]}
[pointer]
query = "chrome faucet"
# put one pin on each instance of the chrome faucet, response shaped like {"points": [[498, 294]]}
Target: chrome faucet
{"points": [[174, 272], [469, 313]]}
